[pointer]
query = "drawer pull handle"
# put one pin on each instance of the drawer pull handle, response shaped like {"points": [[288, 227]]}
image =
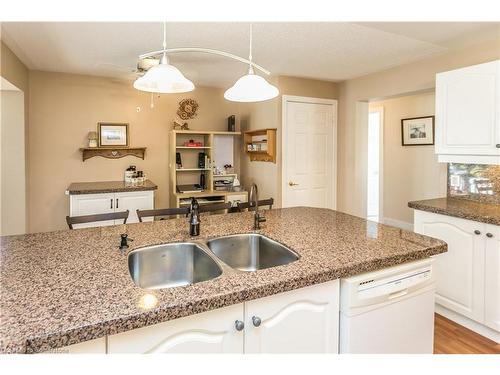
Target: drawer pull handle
{"points": [[478, 232], [116, 202], [111, 203], [489, 235]]}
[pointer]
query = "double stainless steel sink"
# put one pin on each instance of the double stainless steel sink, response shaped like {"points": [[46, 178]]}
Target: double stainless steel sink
{"points": [[176, 264]]}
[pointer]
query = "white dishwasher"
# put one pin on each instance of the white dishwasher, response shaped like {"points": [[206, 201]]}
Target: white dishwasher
{"points": [[389, 311]]}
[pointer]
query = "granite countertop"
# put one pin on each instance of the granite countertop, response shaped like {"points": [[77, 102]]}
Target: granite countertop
{"points": [[61, 288], [108, 187], [466, 209]]}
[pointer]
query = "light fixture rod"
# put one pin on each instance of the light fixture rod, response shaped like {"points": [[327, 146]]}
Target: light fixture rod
{"points": [[205, 50]]}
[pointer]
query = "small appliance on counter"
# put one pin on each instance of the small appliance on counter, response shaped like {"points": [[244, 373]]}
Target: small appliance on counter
{"points": [[134, 177]]}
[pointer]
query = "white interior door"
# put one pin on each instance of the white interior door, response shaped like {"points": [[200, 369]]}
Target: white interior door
{"points": [[309, 152]]}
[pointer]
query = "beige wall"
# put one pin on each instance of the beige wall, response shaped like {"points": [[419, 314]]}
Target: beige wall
{"points": [[65, 107], [268, 115], [14, 71], [409, 173], [406, 79]]}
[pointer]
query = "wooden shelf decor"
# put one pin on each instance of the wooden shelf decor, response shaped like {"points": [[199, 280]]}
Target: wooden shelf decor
{"points": [[112, 153], [264, 142]]}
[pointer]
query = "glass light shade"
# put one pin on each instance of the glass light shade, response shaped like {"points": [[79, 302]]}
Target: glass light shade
{"points": [[165, 79], [251, 88]]}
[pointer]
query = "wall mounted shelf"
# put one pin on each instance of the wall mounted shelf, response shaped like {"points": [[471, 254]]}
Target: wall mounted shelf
{"points": [[112, 153], [264, 142]]}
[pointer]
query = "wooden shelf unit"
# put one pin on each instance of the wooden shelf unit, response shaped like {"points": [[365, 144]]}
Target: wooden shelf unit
{"points": [[112, 153], [177, 139], [268, 155]]}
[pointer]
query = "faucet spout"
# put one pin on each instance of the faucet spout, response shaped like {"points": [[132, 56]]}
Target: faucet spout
{"points": [[254, 202], [194, 218]]}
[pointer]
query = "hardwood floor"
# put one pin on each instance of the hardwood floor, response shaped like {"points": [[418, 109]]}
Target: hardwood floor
{"points": [[452, 338]]}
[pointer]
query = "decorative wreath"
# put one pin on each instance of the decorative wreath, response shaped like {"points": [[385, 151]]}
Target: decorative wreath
{"points": [[187, 109]]}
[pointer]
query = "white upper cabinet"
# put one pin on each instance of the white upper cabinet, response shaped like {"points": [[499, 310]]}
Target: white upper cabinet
{"points": [[467, 114]]}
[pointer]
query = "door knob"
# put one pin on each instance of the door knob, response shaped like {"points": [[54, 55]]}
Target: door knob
{"points": [[239, 325], [256, 321], [291, 183]]}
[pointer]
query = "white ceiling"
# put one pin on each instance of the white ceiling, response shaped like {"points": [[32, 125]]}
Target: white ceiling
{"points": [[330, 51]]}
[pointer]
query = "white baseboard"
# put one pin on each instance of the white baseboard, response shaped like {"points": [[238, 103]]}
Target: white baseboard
{"points": [[397, 223], [468, 323]]}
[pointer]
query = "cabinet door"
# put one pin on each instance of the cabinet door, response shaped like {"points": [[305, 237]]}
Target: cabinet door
{"points": [[467, 110], [132, 201], [209, 332], [300, 321], [492, 279], [92, 204], [460, 271]]}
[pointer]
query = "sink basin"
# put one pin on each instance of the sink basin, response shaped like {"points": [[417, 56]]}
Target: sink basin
{"points": [[251, 252], [171, 265]]}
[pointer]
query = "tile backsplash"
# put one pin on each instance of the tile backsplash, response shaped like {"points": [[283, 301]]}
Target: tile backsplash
{"points": [[474, 181]]}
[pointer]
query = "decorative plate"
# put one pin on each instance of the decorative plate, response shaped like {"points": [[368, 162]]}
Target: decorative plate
{"points": [[187, 109]]}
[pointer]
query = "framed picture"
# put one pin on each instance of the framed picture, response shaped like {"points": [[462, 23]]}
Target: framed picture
{"points": [[417, 131], [113, 134]]}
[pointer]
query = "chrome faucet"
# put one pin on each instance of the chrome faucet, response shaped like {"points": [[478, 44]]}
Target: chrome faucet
{"points": [[254, 201]]}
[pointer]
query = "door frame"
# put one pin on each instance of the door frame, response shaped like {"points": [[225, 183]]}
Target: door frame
{"points": [[284, 141], [380, 110]]}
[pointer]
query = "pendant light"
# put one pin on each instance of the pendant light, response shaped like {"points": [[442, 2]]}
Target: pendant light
{"points": [[251, 87], [164, 78]]}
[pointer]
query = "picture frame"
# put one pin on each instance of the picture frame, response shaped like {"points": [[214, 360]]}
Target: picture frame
{"points": [[417, 131], [113, 135]]}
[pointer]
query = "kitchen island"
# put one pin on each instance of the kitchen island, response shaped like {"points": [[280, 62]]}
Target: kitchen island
{"points": [[67, 287]]}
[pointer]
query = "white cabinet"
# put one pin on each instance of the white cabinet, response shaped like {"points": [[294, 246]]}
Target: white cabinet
{"points": [[468, 275], [92, 204], [209, 332], [300, 321], [132, 201], [492, 278], [468, 114], [101, 203], [460, 271]]}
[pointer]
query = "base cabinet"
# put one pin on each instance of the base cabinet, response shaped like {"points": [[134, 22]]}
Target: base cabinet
{"points": [[300, 321], [103, 203], [468, 275], [209, 332]]}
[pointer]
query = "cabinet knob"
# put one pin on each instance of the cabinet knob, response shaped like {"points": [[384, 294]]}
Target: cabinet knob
{"points": [[239, 325], [256, 321], [478, 232], [498, 145], [489, 235]]}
